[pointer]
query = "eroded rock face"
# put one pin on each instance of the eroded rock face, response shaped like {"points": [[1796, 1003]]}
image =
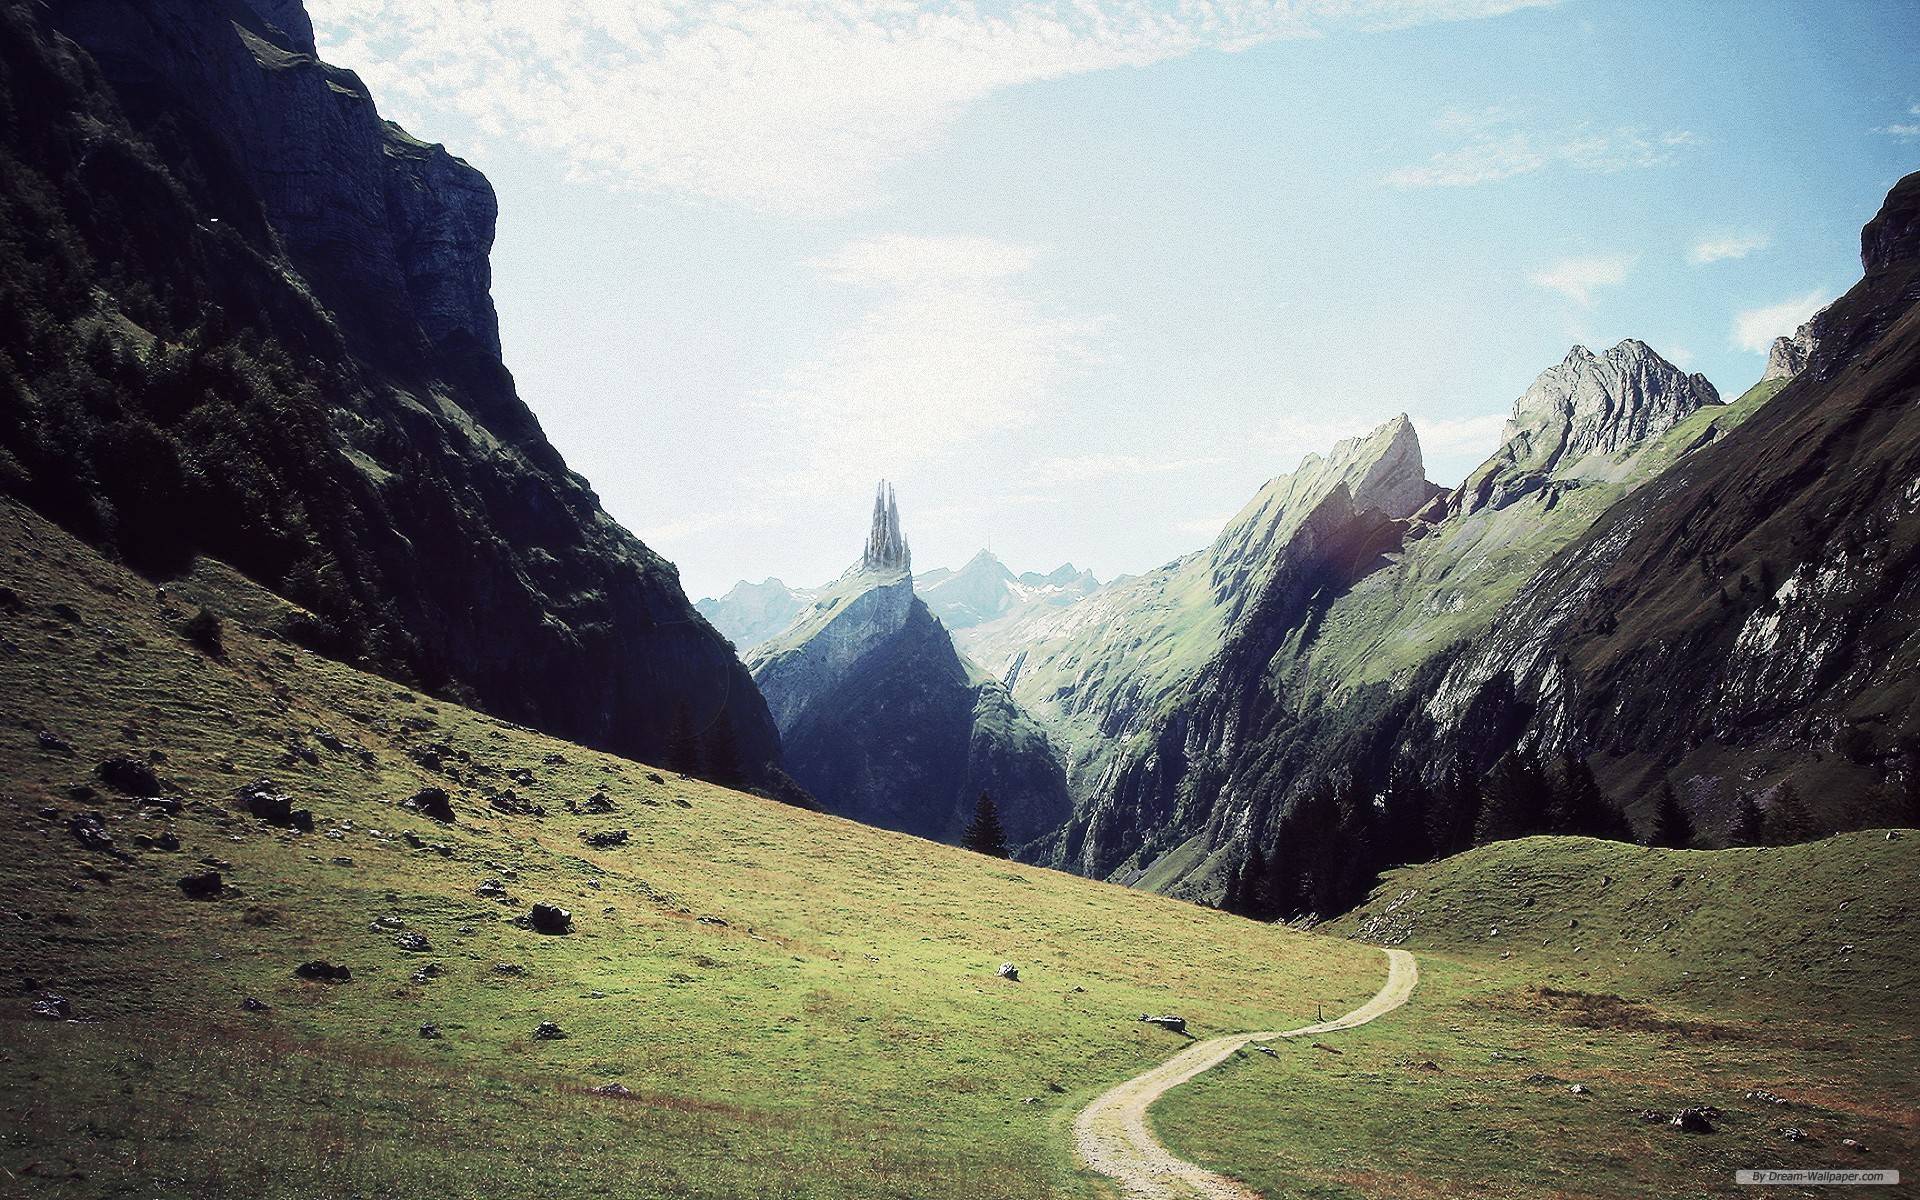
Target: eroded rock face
{"points": [[260, 193], [884, 722], [1589, 404], [1788, 356]]}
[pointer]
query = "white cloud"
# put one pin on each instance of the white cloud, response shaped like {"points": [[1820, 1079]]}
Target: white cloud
{"points": [[1455, 436], [1577, 278], [1497, 147], [949, 351], [785, 105], [1755, 328], [1902, 129], [1725, 246]]}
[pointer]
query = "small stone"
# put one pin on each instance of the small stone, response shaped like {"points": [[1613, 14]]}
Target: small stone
{"points": [[547, 1031], [606, 839], [1794, 1133], [430, 1031], [1009, 972], [1692, 1119], [53, 743], [130, 776], [1580, 1089], [321, 971], [90, 831], [252, 1005], [613, 1091], [491, 889], [1857, 1147], [51, 1006], [505, 968], [206, 885], [413, 943], [550, 919], [1765, 1097], [433, 802], [1172, 1024]]}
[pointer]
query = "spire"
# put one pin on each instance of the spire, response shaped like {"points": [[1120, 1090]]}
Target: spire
{"points": [[886, 545]]}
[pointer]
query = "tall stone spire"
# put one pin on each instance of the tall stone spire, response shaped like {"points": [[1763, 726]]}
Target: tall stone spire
{"points": [[886, 545]]}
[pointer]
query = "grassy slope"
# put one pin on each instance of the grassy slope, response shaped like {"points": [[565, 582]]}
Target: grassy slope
{"points": [[1691, 977], [805, 1007]]}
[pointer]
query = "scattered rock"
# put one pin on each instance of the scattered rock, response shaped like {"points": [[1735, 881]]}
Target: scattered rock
{"points": [[547, 1031], [1173, 1024], [165, 841], [53, 743], [90, 831], [1542, 1077], [491, 889], [322, 971], [51, 1006], [425, 974], [504, 968], [550, 918], [430, 1031], [252, 1005], [1652, 1116], [1794, 1133], [654, 777], [613, 1091], [598, 804], [1692, 1119], [131, 777], [1857, 1147], [606, 839], [1765, 1097], [1009, 972], [1580, 1089], [413, 943], [263, 800], [433, 802], [205, 885], [511, 804]]}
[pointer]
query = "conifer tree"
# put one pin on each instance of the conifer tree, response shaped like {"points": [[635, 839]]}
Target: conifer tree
{"points": [[984, 834], [722, 752], [1787, 820], [683, 747], [1671, 827], [1747, 825]]}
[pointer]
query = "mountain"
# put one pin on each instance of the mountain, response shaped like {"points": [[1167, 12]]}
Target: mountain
{"points": [[246, 320], [885, 722], [985, 590], [1699, 616], [751, 613], [1099, 673], [1198, 699]]}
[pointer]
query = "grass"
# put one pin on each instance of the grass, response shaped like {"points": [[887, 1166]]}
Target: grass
{"points": [[802, 1007], [1653, 979]]}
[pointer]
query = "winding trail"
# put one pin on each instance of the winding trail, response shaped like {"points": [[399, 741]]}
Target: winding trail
{"points": [[1111, 1134]]}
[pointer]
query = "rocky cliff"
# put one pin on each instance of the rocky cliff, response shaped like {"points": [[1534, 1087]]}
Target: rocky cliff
{"points": [[884, 721], [246, 318], [1774, 571]]}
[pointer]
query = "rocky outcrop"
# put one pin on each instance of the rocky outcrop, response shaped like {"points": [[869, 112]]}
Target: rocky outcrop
{"points": [[884, 722], [1588, 405], [305, 378], [985, 591], [1788, 356]]}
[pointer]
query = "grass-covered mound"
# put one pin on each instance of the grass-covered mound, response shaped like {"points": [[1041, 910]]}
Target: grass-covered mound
{"points": [[1651, 979], [794, 1004]]}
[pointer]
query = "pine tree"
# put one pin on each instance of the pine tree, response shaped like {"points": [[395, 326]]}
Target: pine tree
{"points": [[1671, 827], [984, 833], [1580, 808], [1786, 820], [722, 753], [683, 747], [1747, 825], [1516, 800]]}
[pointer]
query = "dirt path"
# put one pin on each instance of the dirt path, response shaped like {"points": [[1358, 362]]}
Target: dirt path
{"points": [[1112, 1136]]}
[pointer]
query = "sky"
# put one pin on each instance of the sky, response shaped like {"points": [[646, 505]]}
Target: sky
{"points": [[1079, 277]]}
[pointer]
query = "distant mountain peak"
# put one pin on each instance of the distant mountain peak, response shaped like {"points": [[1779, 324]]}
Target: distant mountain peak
{"points": [[886, 546]]}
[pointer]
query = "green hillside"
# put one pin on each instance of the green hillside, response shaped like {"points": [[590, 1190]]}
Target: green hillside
{"points": [[796, 1005], [1652, 979]]}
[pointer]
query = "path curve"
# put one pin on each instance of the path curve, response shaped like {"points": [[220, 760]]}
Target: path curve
{"points": [[1112, 1136]]}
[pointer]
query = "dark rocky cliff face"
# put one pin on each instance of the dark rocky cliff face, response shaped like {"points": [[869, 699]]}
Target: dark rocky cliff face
{"points": [[884, 722], [1752, 617], [247, 318]]}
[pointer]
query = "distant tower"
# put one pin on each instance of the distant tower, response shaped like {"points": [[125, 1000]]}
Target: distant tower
{"points": [[886, 546]]}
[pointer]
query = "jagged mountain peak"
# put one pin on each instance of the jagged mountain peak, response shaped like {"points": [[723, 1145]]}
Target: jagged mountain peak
{"points": [[1892, 237], [887, 548]]}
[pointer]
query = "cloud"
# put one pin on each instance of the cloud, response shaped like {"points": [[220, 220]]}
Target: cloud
{"points": [[1455, 436], [1755, 328], [1578, 278], [1725, 246], [1497, 147], [792, 106], [948, 351]]}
